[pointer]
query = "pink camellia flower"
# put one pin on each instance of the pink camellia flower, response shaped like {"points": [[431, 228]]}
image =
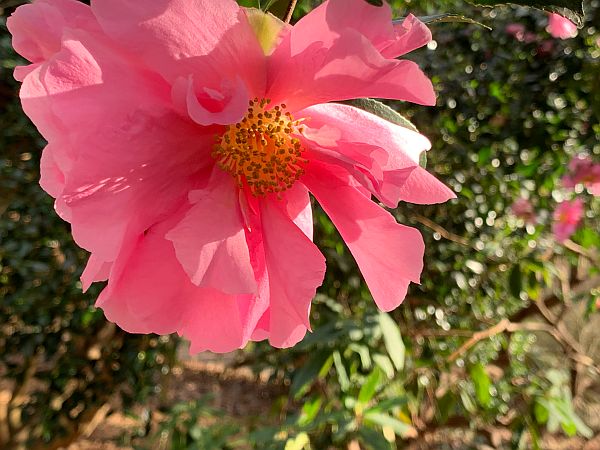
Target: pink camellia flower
{"points": [[523, 209], [560, 27], [567, 217], [184, 137], [517, 30], [520, 33], [582, 170]]}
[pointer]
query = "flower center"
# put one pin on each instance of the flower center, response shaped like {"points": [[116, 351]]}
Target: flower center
{"points": [[260, 152]]}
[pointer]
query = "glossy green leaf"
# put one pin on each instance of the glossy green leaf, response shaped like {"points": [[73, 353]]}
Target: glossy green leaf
{"points": [[571, 9], [381, 110]]}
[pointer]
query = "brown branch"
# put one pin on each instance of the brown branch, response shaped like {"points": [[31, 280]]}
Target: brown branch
{"points": [[499, 328], [290, 11], [505, 326], [442, 231], [576, 248]]}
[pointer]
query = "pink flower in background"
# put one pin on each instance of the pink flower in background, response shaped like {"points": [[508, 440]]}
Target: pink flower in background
{"points": [[567, 217], [523, 209], [520, 33], [517, 30], [184, 137], [560, 27], [582, 170]]}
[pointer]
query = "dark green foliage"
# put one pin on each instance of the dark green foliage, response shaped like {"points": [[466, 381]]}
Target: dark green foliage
{"points": [[510, 116]]}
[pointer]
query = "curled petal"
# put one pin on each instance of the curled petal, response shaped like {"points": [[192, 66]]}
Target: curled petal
{"points": [[210, 241], [383, 156], [295, 269]]}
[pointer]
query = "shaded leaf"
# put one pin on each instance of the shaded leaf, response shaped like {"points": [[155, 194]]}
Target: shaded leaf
{"points": [[381, 110], [369, 387]]}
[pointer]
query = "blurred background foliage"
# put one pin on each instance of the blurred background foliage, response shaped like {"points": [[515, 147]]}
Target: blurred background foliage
{"points": [[497, 347]]}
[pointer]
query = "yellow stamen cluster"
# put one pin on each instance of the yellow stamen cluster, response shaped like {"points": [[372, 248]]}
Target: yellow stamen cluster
{"points": [[260, 152]]}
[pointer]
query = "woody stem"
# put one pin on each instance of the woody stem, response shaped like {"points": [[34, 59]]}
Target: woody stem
{"points": [[290, 11]]}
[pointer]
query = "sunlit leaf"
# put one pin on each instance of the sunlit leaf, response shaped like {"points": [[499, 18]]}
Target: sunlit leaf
{"points": [[571, 9]]}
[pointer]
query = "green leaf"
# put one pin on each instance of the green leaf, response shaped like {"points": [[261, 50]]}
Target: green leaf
{"points": [[392, 339], [368, 389], [384, 420], [309, 372], [447, 18], [482, 383], [372, 439], [364, 353], [381, 110], [571, 9], [385, 364], [515, 281], [341, 371], [309, 411]]}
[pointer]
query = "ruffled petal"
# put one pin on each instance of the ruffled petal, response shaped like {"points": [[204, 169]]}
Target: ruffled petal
{"points": [[182, 37], [37, 28], [210, 241], [382, 156], [95, 270], [389, 255], [149, 292], [295, 269], [411, 34], [111, 133], [334, 54]]}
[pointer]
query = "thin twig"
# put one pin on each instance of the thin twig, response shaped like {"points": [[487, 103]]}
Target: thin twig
{"points": [[442, 231], [290, 11], [576, 248]]}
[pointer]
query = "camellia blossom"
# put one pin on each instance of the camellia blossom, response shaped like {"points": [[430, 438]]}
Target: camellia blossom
{"points": [[567, 217], [184, 137], [560, 27], [523, 209], [582, 170]]}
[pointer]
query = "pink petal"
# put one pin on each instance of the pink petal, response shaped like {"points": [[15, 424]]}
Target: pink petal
{"points": [[295, 269], [149, 292], [362, 142], [411, 34], [560, 27], [214, 323], [52, 178], [38, 28], [299, 208], [110, 126], [182, 37], [350, 68], [210, 241], [389, 255], [95, 270], [223, 107]]}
